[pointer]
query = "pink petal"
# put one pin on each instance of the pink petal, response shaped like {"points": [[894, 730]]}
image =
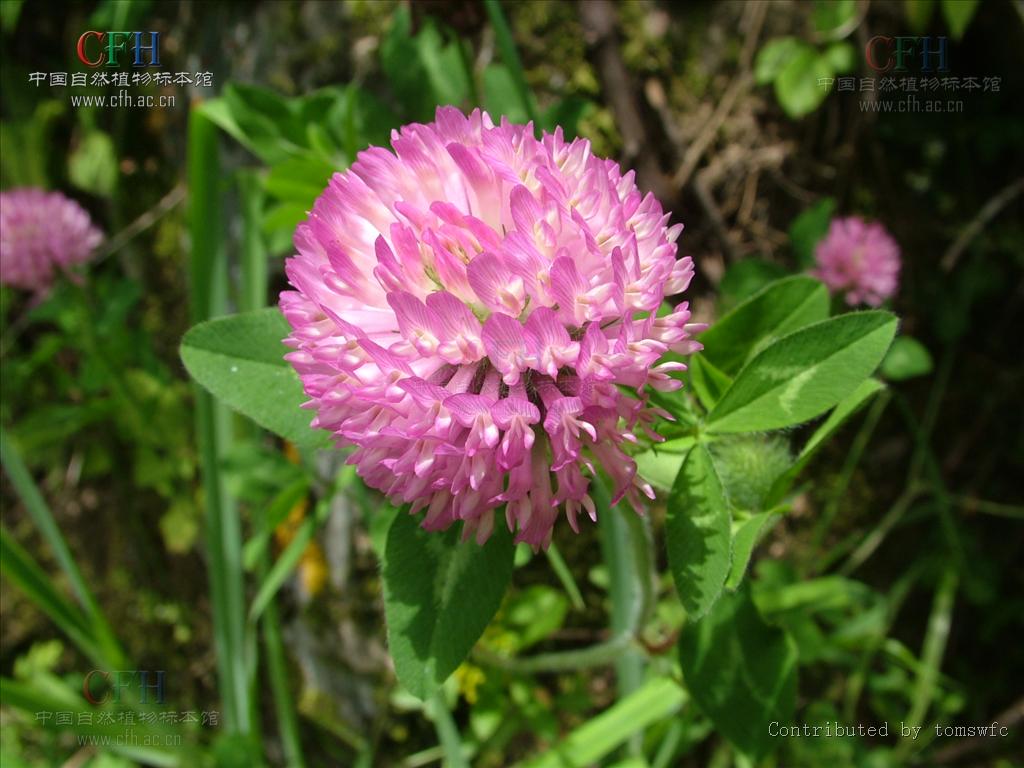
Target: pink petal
{"points": [[460, 330], [495, 285], [548, 343], [506, 347], [420, 325]]}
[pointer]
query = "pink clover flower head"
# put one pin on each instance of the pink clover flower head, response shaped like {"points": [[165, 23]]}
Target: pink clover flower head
{"points": [[42, 234], [860, 260], [475, 311]]}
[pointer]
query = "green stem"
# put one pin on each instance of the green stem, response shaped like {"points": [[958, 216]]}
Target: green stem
{"points": [[254, 254], [996, 508], [874, 540], [287, 722], [668, 746], [208, 288], [598, 655], [934, 648], [626, 549], [846, 474], [447, 732], [565, 576]]}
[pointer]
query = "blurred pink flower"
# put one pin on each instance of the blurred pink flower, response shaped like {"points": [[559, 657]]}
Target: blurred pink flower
{"points": [[471, 310], [858, 259], [42, 234]]}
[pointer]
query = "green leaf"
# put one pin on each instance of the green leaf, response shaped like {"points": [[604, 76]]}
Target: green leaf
{"points": [[255, 118], [831, 16], [708, 382], [748, 466], [958, 15], [843, 411], [797, 87], [846, 408], [827, 593], [773, 58], [744, 539], [90, 722], [842, 57], [804, 374], [533, 614], [423, 71], [299, 180], [501, 96], [906, 359], [657, 700], [697, 532], [741, 671], [566, 113], [778, 309], [808, 229], [439, 595], [240, 360], [93, 164], [283, 218], [918, 13], [743, 279]]}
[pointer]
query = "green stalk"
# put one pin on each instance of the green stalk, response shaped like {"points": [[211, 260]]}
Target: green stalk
{"points": [[447, 732], [626, 550], [287, 722], [857, 448], [253, 296], [934, 648], [41, 515], [510, 56], [208, 284], [667, 749], [254, 253], [565, 576], [598, 655]]}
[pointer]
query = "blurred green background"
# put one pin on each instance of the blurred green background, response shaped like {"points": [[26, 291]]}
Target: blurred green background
{"points": [[897, 569]]}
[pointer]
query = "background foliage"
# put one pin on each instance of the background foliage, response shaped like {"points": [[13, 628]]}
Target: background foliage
{"points": [[860, 564]]}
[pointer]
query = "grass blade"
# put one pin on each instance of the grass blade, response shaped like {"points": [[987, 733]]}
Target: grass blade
{"points": [[284, 707], [39, 511], [288, 560], [18, 566], [208, 285], [598, 737]]}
